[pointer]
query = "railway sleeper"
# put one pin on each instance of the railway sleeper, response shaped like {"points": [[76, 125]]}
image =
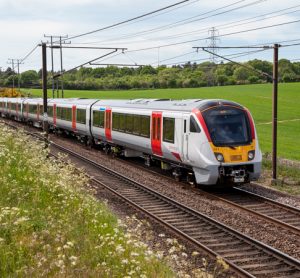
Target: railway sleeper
{"points": [[286, 269], [265, 258], [275, 264], [239, 254]]}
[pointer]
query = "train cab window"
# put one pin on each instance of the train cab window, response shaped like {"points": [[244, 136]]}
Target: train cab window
{"points": [[81, 116], [116, 121], [168, 130], [98, 118], [194, 127]]}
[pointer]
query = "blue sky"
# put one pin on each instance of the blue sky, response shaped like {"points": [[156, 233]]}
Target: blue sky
{"points": [[23, 24]]}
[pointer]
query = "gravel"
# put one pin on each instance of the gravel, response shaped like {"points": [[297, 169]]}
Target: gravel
{"points": [[250, 225]]}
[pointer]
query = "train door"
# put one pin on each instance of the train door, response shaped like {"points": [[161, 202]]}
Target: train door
{"points": [[54, 114], [108, 124], [186, 133], [156, 133], [74, 117]]}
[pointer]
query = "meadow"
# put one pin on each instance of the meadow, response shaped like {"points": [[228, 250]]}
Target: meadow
{"points": [[51, 226], [258, 98]]}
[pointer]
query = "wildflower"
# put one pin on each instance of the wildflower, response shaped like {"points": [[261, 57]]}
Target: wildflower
{"points": [[60, 264], [222, 263], [161, 235], [124, 261], [195, 253]]}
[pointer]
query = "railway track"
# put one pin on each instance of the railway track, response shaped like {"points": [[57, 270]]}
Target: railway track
{"points": [[245, 256], [274, 212]]}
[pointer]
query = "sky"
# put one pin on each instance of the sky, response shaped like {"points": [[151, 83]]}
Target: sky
{"points": [[167, 37]]}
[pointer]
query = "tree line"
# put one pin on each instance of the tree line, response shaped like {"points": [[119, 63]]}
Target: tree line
{"points": [[189, 75]]}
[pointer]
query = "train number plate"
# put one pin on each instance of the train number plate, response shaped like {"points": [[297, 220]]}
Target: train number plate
{"points": [[238, 179]]}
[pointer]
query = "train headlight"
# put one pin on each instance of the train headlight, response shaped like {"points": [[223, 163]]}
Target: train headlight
{"points": [[219, 157], [251, 155]]}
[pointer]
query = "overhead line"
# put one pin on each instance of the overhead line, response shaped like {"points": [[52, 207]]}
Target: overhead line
{"points": [[233, 55], [30, 53], [232, 24], [129, 20], [224, 35], [169, 25]]}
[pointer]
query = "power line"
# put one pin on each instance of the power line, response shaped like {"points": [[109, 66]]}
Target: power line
{"points": [[232, 24], [169, 26], [233, 55], [129, 20], [223, 35], [237, 63], [30, 52]]}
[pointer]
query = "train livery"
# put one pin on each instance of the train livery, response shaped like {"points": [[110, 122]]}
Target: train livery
{"points": [[204, 141]]}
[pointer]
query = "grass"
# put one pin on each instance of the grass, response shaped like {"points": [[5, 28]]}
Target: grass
{"points": [[258, 98], [51, 226]]}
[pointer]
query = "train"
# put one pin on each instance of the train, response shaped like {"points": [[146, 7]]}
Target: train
{"points": [[204, 141]]}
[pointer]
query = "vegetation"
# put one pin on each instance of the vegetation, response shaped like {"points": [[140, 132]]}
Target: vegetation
{"points": [[50, 226], [147, 77], [9, 92], [258, 98]]}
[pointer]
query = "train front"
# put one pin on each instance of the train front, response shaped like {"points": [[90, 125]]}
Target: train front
{"points": [[232, 138]]}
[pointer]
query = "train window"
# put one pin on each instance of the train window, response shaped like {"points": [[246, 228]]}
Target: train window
{"points": [[129, 123], [32, 108], [98, 118], [13, 106], [145, 124], [136, 125], [41, 109], [68, 114], [168, 130], [19, 107], [50, 111], [81, 116], [58, 112], [122, 122], [116, 121], [194, 127]]}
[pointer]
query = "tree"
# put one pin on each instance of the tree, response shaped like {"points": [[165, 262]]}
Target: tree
{"points": [[29, 77], [241, 74]]}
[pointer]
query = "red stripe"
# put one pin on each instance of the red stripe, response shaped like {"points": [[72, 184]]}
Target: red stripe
{"points": [[54, 114], [202, 122], [177, 155], [74, 117], [38, 112], [108, 124], [251, 124]]}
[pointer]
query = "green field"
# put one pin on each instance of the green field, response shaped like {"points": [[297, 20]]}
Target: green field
{"points": [[258, 98]]}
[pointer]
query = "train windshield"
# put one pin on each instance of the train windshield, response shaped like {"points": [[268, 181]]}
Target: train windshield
{"points": [[228, 126]]}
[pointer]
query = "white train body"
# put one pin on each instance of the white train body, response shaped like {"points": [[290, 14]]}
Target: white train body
{"points": [[212, 141]]}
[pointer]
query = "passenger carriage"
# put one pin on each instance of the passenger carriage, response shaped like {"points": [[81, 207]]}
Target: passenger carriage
{"points": [[204, 141]]}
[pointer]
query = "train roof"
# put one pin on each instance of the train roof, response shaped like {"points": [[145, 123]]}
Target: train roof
{"points": [[185, 105]]}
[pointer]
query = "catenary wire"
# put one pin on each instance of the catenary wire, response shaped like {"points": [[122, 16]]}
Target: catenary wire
{"points": [[128, 20]]}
